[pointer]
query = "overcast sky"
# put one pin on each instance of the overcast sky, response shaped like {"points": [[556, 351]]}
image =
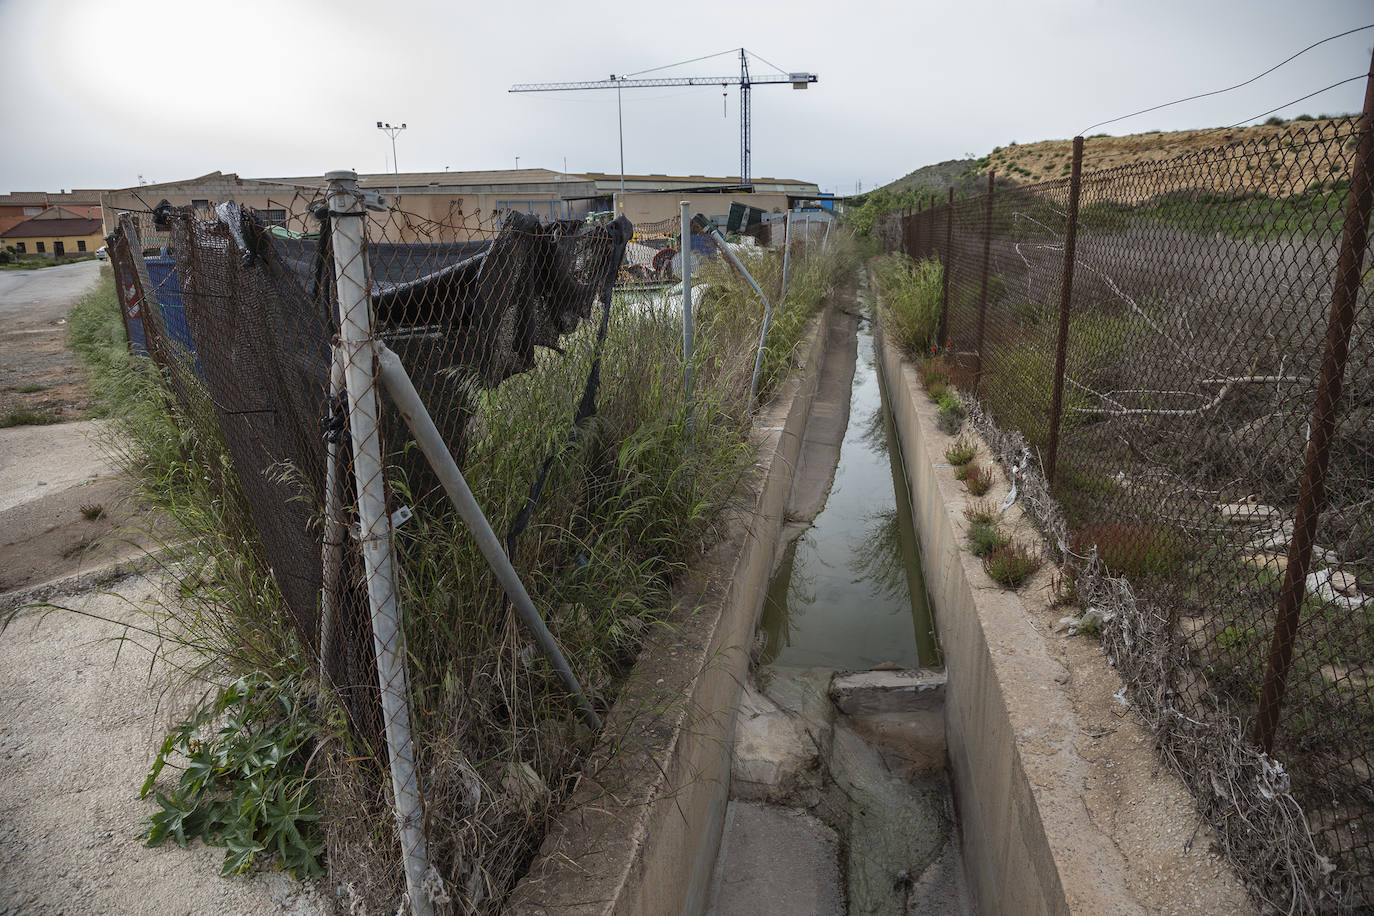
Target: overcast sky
{"points": [[96, 93]]}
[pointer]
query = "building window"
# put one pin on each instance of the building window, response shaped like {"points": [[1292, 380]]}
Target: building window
{"points": [[21, 247], [80, 244], [58, 248], [271, 217], [40, 248], [200, 204], [32, 211]]}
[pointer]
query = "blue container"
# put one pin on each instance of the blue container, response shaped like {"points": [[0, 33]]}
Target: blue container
{"points": [[162, 272]]}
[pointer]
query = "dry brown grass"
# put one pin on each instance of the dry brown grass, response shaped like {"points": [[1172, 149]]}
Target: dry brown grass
{"points": [[1050, 159]]}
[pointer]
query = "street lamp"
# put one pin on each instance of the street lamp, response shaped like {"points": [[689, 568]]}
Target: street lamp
{"points": [[392, 132]]}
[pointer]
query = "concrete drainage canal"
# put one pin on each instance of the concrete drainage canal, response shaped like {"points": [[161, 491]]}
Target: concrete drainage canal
{"points": [[839, 799]]}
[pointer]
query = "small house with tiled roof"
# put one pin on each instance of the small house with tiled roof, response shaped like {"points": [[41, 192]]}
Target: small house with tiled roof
{"points": [[55, 231]]}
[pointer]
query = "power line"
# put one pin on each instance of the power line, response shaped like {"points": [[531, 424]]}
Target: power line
{"points": [[1358, 76], [1252, 79]]}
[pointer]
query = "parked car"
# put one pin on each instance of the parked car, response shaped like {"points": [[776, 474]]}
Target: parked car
{"points": [[102, 253]]}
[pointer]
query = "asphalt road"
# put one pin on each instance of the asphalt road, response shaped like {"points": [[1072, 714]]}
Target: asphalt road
{"points": [[44, 295], [37, 371]]}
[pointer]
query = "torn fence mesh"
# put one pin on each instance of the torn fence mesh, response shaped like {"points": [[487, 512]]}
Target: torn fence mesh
{"points": [[462, 316]]}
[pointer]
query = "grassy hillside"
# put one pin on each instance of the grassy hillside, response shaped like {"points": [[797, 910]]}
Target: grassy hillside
{"points": [[934, 179]]}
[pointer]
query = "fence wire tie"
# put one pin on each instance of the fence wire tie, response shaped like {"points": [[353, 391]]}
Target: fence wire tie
{"points": [[398, 518]]}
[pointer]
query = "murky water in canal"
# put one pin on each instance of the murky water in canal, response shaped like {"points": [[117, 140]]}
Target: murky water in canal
{"points": [[849, 592]]}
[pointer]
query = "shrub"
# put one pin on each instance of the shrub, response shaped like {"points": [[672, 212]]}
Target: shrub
{"points": [[978, 479], [952, 413], [909, 300], [1011, 565], [981, 511], [1133, 549], [961, 452], [986, 537]]}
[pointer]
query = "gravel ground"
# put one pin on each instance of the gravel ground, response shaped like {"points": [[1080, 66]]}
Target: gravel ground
{"points": [[80, 715]]}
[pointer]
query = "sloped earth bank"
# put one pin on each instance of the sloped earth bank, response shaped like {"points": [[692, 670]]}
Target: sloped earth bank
{"points": [[81, 709], [839, 799]]}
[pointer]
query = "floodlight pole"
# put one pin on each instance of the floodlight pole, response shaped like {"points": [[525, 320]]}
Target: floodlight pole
{"points": [[620, 124], [391, 132]]}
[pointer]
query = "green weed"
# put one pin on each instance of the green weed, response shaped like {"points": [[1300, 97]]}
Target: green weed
{"points": [[25, 416], [243, 782], [909, 301], [1011, 565], [985, 538], [1133, 549], [978, 479], [961, 452], [981, 511], [952, 413]]}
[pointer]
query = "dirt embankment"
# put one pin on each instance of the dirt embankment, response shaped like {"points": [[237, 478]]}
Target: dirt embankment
{"points": [[1270, 161], [1275, 159]]}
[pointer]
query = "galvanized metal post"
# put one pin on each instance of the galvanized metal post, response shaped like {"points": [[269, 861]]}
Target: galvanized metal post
{"points": [[435, 450], [687, 342], [364, 410], [1312, 494], [1065, 295], [767, 311], [334, 530], [983, 287], [786, 254], [947, 266]]}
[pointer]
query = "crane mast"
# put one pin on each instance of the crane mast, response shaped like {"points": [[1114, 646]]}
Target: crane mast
{"points": [[744, 80], [744, 119]]}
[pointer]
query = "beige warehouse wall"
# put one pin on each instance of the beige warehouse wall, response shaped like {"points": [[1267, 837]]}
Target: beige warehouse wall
{"points": [[649, 207]]}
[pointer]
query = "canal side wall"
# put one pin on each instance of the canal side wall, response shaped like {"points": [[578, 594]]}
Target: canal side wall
{"points": [[642, 831], [1029, 844]]}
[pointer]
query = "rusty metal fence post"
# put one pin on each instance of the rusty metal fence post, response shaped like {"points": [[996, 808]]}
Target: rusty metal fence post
{"points": [[918, 240], [947, 265], [1312, 492], [1065, 296], [983, 283]]}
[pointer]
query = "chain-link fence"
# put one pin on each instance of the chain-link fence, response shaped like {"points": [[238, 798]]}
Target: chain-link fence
{"points": [[456, 461], [1187, 349]]}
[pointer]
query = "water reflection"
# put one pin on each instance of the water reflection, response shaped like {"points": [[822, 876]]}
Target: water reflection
{"points": [[849, 592]]}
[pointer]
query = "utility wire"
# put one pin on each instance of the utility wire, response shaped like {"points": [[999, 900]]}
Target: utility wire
{"points": [[685, 62], [1252, 79], [1358, 76]]}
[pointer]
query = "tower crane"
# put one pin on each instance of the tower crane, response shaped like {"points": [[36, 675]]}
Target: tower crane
{"points": [[744, 80]]}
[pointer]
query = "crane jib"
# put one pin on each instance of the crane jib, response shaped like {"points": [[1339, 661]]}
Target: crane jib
{"points": [[745, 80]]}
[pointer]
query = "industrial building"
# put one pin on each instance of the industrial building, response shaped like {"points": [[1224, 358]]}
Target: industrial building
{"points": [[477, 198]]}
